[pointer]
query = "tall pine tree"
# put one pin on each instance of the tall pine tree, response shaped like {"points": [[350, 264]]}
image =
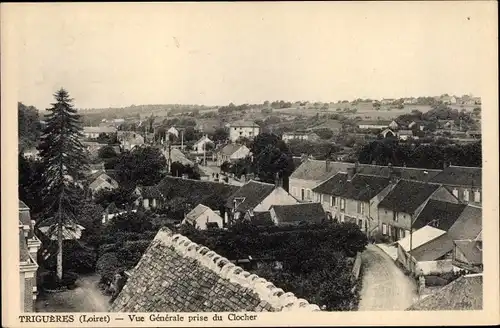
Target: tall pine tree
{"points": [[63, 158]]}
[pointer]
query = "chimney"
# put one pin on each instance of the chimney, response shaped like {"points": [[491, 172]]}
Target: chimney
{"points": [[327, 164], [277, 180]]}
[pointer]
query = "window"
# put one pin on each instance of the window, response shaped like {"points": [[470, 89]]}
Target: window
{"points": [[477, 196], [455, 192], [302, 196], [384, 229], [361, 207], [360, 223], [401, 233], [342, 204], [320, 198], [395, 216], [308, 193], [466, 195], [332, 200]]}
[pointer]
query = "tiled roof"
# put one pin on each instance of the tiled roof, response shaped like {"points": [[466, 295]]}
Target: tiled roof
{"points": [[252, 193], [471, 250], [244, 124], [468, 225], [304, 212], [195, 213], [440, 214], [407, 196], [99, 178], [385, 123], [203, 139], [229, 149], [460, 176], [24, 214], [208, 193], [405, 132], [70, 231], [177, 156], [177, 275], [262, 218], [361, 187], [316, 170], [150, 192], [407, 173], [98, 129], [464, 293], [420, 237]]}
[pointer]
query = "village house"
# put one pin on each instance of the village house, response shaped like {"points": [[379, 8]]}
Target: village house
{"points": [[173, 131], [286, 215], [93, 132], [427, 244], [256, 196], [387, 133], [129, 139], [230, 153], [29, 245], [353, 197], [448, 100], [243, 129], [31, 153], [202, 145], [387, 101], [112, 211], [377, 125], [463, 182], [311, 173], [101, 181], [410, 101], [193, 192], [203, 217], [466, 234], [202, 281], [148, 197], [300, 135], [406, 134], [464, 293], [399, 208]]}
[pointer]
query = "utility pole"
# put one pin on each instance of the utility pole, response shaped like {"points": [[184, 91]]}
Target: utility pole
{"points": [[182, 139]]}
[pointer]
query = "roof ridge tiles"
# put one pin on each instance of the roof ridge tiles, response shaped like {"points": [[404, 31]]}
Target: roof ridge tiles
{"points": [[266, 290]]}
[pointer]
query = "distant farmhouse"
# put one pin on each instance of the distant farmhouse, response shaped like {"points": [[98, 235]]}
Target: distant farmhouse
{"points": [[243, 129], [93, 132]]}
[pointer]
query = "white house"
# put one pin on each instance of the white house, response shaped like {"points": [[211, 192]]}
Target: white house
{"points": [[231, 153], [364, 125], [129, 139], [93, 132], [200, 146], [256, 196], [406, 134], [102, 181], [299, 135], [243, 129], [173, 131], [201, 217]]}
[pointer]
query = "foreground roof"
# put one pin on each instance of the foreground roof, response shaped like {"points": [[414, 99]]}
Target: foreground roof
{"points": [[177, 275], [407, 196], [251, 194], [407, 173], [439, 214], [460, 176], [464, 293], [304, 212], [471, 249]]}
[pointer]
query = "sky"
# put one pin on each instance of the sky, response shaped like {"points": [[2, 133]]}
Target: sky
{"points": [[116, 55]]}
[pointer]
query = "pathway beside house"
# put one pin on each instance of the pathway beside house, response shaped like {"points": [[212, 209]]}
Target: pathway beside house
{"points": [[87, 297], [385, 287], [392, 251]]}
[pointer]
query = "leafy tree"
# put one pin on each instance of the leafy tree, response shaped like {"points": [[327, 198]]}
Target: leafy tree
{"points": [[29, 127], [107, 152], [63, 158], [220, 134], [141, 166], [178, 169]]}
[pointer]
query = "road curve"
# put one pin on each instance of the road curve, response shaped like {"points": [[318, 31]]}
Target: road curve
{"points": [[385, 287]]}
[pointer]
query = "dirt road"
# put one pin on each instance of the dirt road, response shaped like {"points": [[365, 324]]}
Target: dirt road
{"points": [[385, 286], [87, 297]]}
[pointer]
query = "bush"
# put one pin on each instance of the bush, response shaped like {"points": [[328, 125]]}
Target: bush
{"points": [[49, 280]]}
